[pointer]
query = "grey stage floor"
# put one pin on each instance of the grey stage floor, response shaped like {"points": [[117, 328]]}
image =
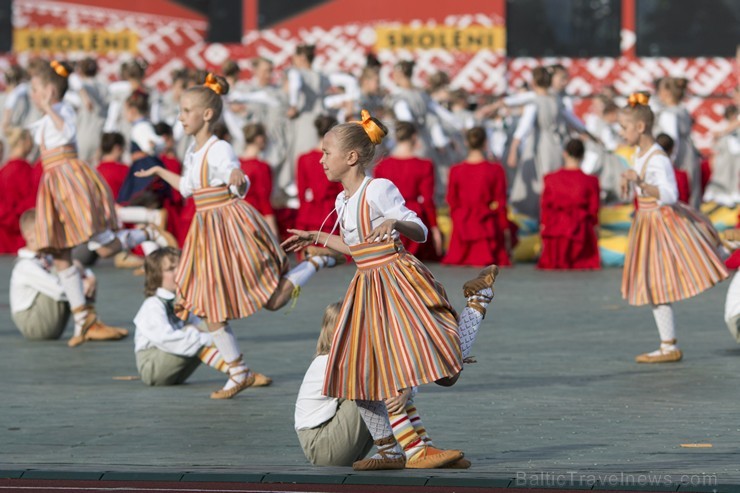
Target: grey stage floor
{"points": [[555, 392]]}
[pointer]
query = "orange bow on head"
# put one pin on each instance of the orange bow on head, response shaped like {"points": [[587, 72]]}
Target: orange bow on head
{"points": [[638, 98], [59, 69], [212, 84], [371, 128]]}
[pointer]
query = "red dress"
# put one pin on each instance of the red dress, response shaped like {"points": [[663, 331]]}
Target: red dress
{"points": [[260, 188], [682, 182], [174, 205], [476, 194], [414, 178], [568, 218], [316, 194], [114, 174], [18, 187]]}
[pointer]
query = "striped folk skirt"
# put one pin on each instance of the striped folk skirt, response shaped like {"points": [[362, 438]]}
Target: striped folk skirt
{"points": [[231, 262], [395, 329], [671, 255], [73, 203]]}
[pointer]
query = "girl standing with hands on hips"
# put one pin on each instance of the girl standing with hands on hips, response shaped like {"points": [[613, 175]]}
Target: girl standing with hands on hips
{"points": [[232, 264], [396, 328]]}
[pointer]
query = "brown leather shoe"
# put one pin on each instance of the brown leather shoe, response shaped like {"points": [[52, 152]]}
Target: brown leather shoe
{"points": [[485, 279], [244, 384], [386, 461], [102, 332], [127, 260], [665, 356], [458, 464], [432, 458], [672, 356], [261, 380]]}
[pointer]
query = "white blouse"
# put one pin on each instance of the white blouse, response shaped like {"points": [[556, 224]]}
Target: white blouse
{"points": [[312, 408], [155, 329], [45, 132], [221, 162], [659, 174], [144, 136], [385, 202]]}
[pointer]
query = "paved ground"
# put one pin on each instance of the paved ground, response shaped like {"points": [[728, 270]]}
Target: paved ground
{"points": [[555, 395]]}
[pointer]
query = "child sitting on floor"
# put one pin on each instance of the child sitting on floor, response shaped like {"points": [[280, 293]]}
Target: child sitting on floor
{"points": [[168, 349]]}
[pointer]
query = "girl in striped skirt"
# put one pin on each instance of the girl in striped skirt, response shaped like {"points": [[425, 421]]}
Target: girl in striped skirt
{"points": [[672, 249], [74, 205], [396, 328], [232, 264]]}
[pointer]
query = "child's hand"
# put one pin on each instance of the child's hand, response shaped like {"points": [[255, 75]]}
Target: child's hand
{"points": [[145, 173], [299, 240], [631, 176], [511, 161], [396, 404], [237, 178], [382, 232]]}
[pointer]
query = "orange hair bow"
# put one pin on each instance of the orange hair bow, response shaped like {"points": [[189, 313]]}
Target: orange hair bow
{"points": [[59, 69], [638, 98], [213, 84], [371, 128]]}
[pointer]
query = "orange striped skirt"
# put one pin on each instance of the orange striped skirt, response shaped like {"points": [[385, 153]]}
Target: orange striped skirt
{"points": [[671, 255], [395, 329], [73, 203], [231, 262]]}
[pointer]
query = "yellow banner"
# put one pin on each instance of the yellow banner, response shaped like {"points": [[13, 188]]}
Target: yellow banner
{"points": [[469, 39], [64, 40]]}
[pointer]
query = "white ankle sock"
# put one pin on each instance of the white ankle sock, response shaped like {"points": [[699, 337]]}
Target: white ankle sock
{"points": [[301, 273], [131, 238], [138, 215]]}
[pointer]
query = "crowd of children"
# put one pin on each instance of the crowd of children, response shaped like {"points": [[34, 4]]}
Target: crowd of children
{"points": [[171, 161]]}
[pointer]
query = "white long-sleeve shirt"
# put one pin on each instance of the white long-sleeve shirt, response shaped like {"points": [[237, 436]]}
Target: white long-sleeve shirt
{"points": [[46, 133], [144, 136], [31, 276], [385, 202], [221, 162], [312, 408], [155, 329], [659, 173]]}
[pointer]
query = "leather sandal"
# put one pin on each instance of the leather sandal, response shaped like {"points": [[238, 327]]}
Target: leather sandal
{"points": [[432, 458], [386, 460], [666, 356], [229, 393], [485, 279]]}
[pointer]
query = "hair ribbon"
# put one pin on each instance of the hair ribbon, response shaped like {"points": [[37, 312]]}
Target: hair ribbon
{"points": [[371, 128], [59, 69], [638, 99], [213, 84]]}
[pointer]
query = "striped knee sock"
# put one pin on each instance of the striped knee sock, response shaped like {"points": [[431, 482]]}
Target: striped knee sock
{"points": [[416, 422], [405, 434], [212, 357]]}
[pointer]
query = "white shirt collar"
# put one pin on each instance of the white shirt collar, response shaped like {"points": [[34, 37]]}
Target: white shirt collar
{"points": [[26, 253], [165, 294]]}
